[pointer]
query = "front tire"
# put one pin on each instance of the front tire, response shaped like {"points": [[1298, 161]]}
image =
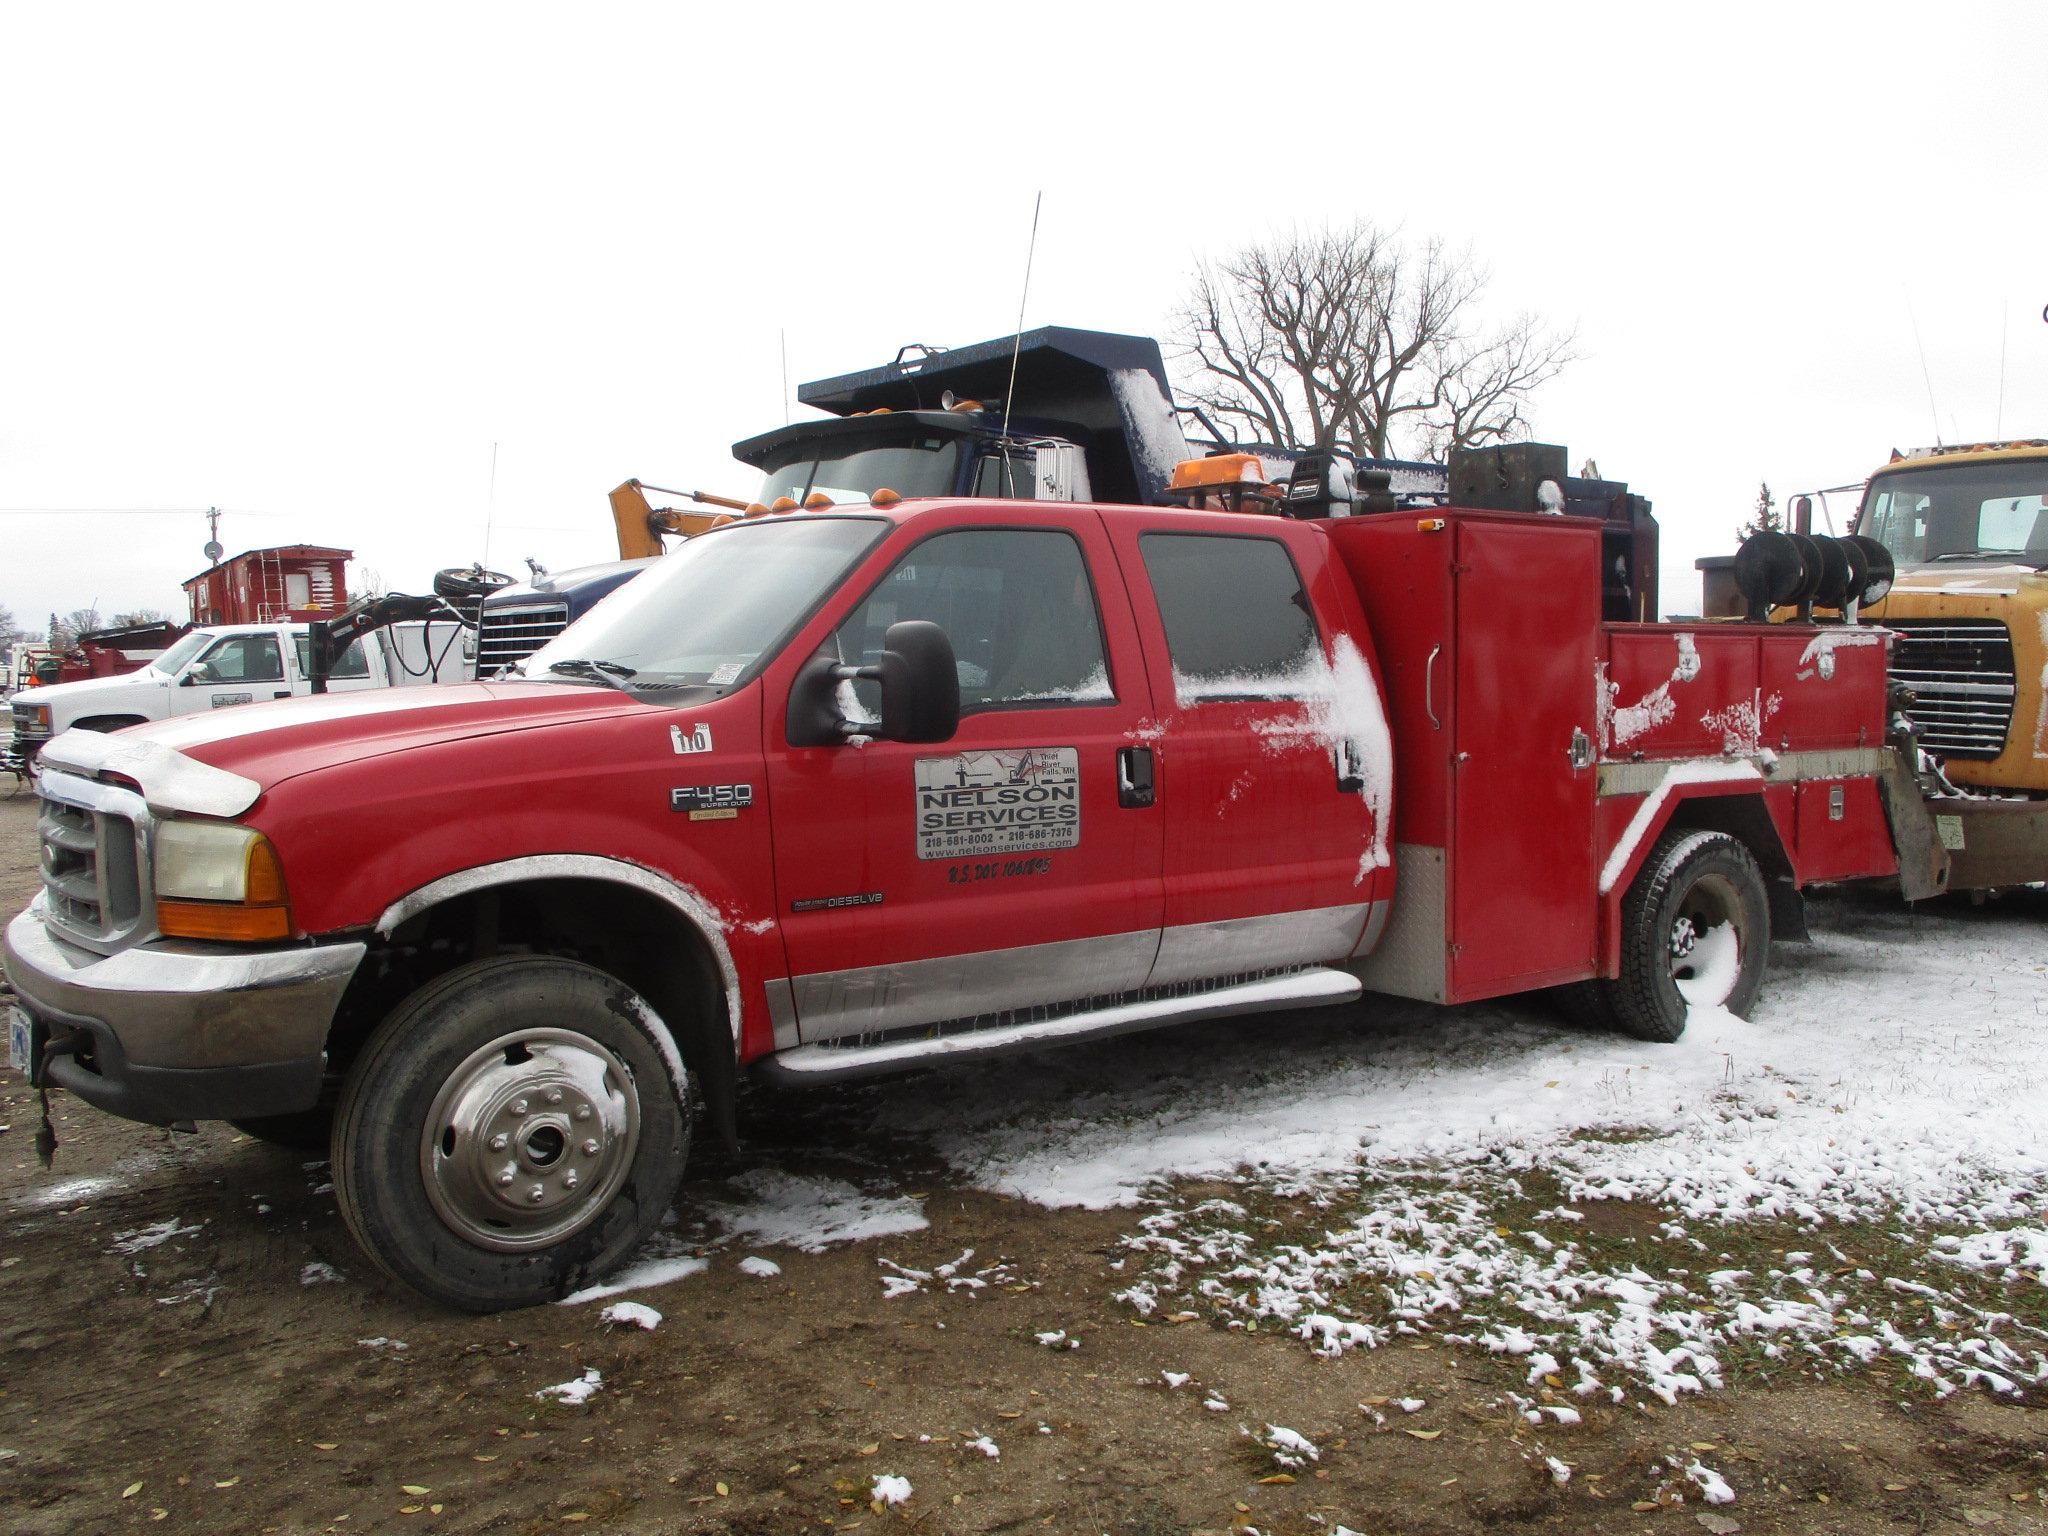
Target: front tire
{"points": [[1696, 932], [510, 1133]]}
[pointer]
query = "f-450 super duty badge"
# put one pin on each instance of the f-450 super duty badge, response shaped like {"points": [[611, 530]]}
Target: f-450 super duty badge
{"points": [[711, 802], [974, 803]]}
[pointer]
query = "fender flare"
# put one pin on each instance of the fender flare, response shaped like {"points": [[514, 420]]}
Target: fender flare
{"points": [[685, 901]]}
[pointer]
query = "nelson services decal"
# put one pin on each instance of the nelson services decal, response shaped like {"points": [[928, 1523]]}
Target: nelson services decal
{"points": [[998, 801]]}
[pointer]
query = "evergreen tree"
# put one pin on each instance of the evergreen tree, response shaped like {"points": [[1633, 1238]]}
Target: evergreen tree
{"points": [[1766, 518]]}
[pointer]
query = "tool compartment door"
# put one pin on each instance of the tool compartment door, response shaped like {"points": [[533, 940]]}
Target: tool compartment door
{"points": [[1522, 898]]}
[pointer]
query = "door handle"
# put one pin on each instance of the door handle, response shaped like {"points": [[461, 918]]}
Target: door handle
{"points": [[1429, 686], [1350, 768], [1134, 789]]}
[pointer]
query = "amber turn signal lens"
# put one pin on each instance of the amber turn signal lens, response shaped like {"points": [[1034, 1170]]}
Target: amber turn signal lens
{"points": [[224, 921]]}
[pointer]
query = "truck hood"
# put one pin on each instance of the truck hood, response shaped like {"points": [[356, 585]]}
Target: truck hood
{"points": [[245, 750], [57, 695], [1955, 579]]}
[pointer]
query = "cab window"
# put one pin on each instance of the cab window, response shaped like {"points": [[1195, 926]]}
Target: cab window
{"points": [[351, 664], [241, 659], [1237, 618], [1018, 605]]}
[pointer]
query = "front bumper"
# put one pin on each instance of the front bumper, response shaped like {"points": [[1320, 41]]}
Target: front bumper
{"points": [[170, 1031]]}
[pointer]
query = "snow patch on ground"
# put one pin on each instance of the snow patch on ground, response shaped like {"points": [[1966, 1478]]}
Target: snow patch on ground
{"points": [[1889, 1075], [574, 1393], [650, 1269], [811, 1213], [631, 1314], [144, 1238]]}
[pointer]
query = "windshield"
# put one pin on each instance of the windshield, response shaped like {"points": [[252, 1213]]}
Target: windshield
{"points": [[183, 651], [910, 464], [1961, 511], [707, 614]]}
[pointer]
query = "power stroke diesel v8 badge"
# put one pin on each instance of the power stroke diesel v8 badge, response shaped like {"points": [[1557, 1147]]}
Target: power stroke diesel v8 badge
{"points": [[998, 801], [711, 802]]}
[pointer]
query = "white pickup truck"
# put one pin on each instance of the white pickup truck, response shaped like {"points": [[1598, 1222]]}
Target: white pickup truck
{"points": [[227, 664]]}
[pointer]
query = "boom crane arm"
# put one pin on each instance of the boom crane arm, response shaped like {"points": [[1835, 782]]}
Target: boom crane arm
{"points": [[641, 525]]}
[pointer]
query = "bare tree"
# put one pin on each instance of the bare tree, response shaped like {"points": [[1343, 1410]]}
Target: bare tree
{"points": [[9, 629], [1349, 338], [140, 616], [64, 632]]}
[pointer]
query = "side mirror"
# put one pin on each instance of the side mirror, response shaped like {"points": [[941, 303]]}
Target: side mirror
{"points": [[920, 691], [189, 680], [920, 683]]}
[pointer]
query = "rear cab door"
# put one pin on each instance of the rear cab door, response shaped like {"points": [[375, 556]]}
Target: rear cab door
{"points": [[1275, 771], [362, 665], [1012, 868]]}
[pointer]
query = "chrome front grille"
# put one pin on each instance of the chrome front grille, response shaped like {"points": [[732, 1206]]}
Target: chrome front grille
{"points": [[92, 853], [26, 729], [1962, 677], [509, 635]]}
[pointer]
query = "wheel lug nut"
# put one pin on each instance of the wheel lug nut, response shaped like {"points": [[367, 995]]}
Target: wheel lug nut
{"points": [[590, 1147], [537, 1193], [505, 1177], [582, 1111], [519, 1106], [569, 1179], [554, 1095], [500, 1142]]}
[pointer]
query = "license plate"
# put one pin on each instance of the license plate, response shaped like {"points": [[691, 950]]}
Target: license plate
{"points": [[17, 1039]]}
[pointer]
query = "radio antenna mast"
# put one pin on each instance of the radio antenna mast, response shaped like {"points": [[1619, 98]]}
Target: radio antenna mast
{"points": [[1017, 344], [1925, 375], [2004, 332]]}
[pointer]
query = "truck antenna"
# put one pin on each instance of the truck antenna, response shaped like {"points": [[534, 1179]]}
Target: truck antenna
{"points": [[490, 506], [1017, 346], [1926, 376], [2004, 332], [784, 334]]}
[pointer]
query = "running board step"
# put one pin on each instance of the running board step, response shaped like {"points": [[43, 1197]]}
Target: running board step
{"points": [[1311, 988]]}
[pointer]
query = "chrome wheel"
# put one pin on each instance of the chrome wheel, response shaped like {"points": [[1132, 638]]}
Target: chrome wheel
{"points": [[529, 1139], [1705, 944]]}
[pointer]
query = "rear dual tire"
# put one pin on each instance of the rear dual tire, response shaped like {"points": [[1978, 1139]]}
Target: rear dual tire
{"points": [[1696, 933], [512, 1133]]}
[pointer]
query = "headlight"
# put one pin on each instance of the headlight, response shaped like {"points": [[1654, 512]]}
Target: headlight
{"points": [[215, 880], [37, 715]]}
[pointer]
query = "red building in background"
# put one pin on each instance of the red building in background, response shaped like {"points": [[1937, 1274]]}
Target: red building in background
{"points": [[268, 586]]}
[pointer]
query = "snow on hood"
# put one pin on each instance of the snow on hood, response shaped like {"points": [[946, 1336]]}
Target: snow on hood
{"points": [[170, 781]]}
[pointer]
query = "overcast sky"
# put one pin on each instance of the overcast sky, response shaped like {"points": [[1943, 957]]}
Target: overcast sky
{"points": [[310, 266]]}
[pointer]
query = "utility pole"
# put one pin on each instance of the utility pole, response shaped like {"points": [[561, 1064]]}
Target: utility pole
{"points": [[213, 550]]}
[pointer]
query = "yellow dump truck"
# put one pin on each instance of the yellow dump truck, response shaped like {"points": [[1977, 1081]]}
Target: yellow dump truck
{"points": [[1968, 528]]}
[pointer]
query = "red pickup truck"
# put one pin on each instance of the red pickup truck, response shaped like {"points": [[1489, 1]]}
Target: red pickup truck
{"points": [[858, 791]]}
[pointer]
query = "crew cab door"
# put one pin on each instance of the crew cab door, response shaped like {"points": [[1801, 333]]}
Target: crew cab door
{"points": [[1013, 867], [1275, 771], [243, 668]]}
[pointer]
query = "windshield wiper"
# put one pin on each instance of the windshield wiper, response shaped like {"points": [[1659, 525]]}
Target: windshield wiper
{"points": [[610, 673]]}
